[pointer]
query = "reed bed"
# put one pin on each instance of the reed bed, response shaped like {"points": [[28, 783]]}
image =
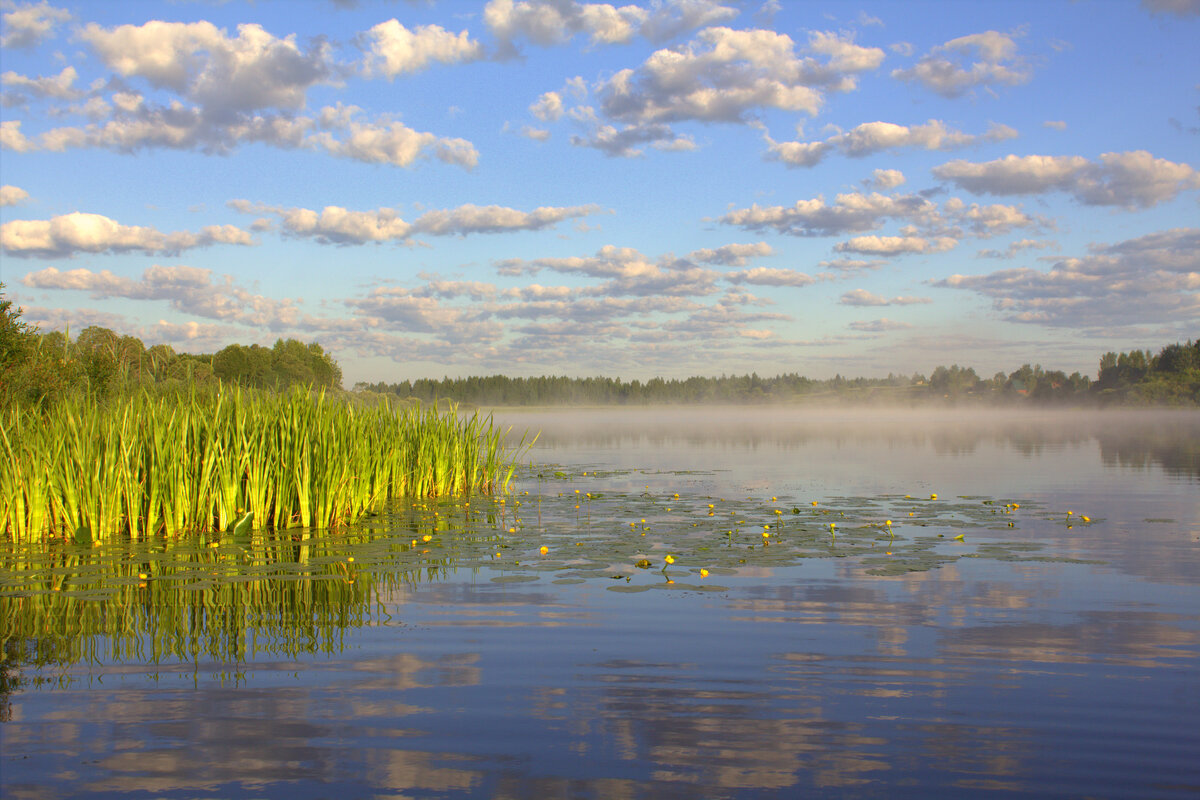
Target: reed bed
{"points": [[204, 461]]}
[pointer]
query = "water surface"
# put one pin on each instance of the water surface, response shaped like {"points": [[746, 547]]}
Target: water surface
{"points": [[1049, 657]]}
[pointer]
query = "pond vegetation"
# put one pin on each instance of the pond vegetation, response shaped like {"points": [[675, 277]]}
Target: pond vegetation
{"points": [[147, 463], [231, 596]]}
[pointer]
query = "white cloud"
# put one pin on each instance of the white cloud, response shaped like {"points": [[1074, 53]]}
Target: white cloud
{"points": [[732, 255], [57, 87], [874, 137], [397, 144], [764, 276], [1133, 179], [551, 22], [895, 245], [27, 24], [545, 22], [66, 235], [396, 50], [190, 290], [991, 220], [337, 225], [1139, 281], [12, 195], [224, 75], [536, 134], [675, 17], [852, 264], [725, 75], [548, 108], [959, 65], [11, 137], [887, 178], [627, 273], [879, 325], [467, 219], [849, 213], [1055, 124], [1017, 247], [861, 297], [234, 90]]}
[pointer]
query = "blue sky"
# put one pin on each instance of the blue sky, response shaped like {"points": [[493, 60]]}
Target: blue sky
{"points": [[669, 187]]}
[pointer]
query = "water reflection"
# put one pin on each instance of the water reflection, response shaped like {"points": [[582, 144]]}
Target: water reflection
{"points": [[378, 662], [1169, 439]]}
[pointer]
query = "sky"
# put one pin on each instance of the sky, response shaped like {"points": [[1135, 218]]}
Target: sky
{"points": [[667, 187]]}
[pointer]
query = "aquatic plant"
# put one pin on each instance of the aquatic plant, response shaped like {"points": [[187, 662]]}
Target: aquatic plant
{"points": [[207, 460]]}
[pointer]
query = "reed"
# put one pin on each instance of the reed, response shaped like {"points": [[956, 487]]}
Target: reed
{"points": [[199, 461]]}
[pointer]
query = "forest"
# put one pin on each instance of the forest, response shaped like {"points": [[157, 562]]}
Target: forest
{"points": [[36, 368]]}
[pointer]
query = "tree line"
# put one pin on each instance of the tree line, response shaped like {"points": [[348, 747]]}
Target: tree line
{"points": [[1135, 378], [37, 367]]}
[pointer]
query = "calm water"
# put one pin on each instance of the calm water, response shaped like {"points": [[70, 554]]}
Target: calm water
{"points": [[1049, 657]]}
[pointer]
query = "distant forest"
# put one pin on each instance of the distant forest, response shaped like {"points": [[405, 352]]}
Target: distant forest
{"points": [[36, 368], [1172, 377]]}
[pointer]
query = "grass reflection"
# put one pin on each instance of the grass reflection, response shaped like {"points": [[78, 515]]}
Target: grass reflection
{"points": [[233, 597]]}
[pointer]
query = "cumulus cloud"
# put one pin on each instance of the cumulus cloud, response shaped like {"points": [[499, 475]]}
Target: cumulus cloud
{"points": [[222, 74], [551, 22], [397, 144], [19, 88], [725, 75], [990, 220], [12, 195], [627, 272], [879, 325], [895, 245], [548, 108], [874, 137], [191, 290], [625, 141], [545, 22], [337, 225], [27, 24], [1017, 247], [11, 137], [242, 89], [960, 65], [467, 219], [764, 276], [1139, 281], [732, 255], [851, 264], [721, 76], [1129, 180], [66, 235], [849, 213], [396, 50], [886, 179], [861, 297]]}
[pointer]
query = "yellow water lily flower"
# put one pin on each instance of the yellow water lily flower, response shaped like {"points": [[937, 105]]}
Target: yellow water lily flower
{"points": [[670, 559], [545, 550]]}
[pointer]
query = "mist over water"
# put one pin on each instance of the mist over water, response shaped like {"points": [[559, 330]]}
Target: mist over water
{"points": [[996, 642]]}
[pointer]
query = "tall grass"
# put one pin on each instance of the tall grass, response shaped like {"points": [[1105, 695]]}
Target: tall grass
{"points": [[200, 461]]}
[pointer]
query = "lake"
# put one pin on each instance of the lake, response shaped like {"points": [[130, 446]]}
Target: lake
{"points": [[683, 602]]}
